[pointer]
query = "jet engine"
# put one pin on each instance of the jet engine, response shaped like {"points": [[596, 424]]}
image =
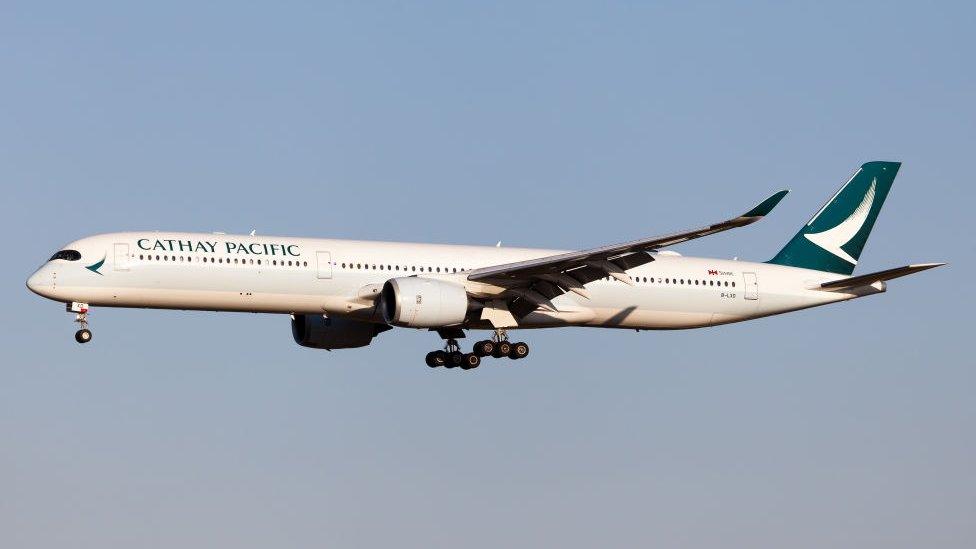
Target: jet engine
{"points": [[423, 303], [320, 332]]}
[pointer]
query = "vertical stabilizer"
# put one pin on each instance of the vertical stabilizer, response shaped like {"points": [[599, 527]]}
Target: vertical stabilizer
{"points": [[833, 239]]}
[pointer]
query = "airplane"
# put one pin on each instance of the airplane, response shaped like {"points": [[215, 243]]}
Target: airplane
{"points": [[343, 293]]}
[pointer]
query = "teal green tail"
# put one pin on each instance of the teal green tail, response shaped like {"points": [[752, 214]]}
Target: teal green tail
{"points": [[833, 239]]}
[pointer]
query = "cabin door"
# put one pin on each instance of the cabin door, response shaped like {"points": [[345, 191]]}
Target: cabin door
{"points": [[324, 260], [751, 286], [121, 257]]}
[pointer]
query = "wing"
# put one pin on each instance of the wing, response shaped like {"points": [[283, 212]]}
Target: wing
{"points": [[536, 281]]}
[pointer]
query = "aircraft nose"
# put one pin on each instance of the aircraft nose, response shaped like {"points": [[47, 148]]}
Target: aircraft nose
{"points": [[40, 283]]}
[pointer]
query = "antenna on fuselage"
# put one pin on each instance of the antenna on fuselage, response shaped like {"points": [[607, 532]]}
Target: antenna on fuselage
{"points": [[253, 231], [499, 244]]}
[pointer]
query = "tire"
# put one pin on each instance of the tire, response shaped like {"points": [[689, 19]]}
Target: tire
{"points": [[470, 361], [502, 349], [519, 350], [432, 359], [484, 348], [83, 336], [455, 359]]}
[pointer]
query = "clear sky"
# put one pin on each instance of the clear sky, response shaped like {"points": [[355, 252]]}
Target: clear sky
{"points": [[555, 124]]}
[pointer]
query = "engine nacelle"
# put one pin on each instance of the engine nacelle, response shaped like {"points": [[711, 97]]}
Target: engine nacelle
{"points": [[319, 332], [423, 302]]}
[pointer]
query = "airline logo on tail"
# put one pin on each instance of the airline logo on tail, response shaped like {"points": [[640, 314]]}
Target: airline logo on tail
{"points": [[832, 240]]}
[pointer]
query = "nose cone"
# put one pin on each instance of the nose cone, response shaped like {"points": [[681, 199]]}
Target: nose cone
{"points": [[41, 283]]}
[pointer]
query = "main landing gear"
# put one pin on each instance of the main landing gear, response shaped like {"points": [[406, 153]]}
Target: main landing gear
{"points": [[452, 357], [497, 347], [83, 335]]}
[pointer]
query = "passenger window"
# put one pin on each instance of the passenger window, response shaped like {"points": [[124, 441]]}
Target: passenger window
{"points": [[733, 284]]}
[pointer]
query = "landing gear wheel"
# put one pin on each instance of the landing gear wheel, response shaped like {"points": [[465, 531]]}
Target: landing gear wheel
{"points": [[454, 359], [436, 358], [83, 336], [519, 350], [484, 348], [470, 361], [502, 349]]}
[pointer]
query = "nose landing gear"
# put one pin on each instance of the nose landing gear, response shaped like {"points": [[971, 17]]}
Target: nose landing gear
{"points": [[83, 335]]}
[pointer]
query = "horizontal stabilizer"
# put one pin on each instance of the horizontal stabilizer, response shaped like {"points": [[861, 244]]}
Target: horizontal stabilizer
{"points": [[871, 278]]}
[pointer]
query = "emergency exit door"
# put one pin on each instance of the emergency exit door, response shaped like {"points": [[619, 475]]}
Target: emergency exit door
{"points": [[324, 260], [750, 286]]}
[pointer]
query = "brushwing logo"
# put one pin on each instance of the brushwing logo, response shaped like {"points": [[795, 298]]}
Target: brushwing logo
{"points": [[94, 267], [832, 240]]}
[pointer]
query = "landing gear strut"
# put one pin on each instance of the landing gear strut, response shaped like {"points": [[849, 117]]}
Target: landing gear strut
{"points": [[83, 335], [498, 347]]}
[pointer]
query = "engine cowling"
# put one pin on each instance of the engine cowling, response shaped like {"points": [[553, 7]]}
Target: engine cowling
{"points": [[320, 332], [423, 302]]}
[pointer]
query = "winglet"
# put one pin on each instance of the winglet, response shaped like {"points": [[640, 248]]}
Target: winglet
{"points": [[766, 206]]}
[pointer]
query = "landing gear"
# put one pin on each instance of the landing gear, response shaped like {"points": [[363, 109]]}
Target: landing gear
{"points": [[484, 348], [452, 357], [519, 350], [83, 335], [470, 361], [498, 347], [436, 358], [502, 349]]}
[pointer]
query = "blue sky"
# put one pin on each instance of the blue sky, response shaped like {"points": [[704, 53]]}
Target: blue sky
{"points": [[557, 124]]}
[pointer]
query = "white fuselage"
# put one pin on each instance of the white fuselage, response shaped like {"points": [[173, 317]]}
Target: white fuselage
{"points": [[341, 277]]}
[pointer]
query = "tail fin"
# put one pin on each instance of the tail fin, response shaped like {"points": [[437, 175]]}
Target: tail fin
{"points": [[833, 239]]}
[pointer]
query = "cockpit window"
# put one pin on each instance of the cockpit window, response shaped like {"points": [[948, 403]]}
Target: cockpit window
{"points": [[67, 255]]}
